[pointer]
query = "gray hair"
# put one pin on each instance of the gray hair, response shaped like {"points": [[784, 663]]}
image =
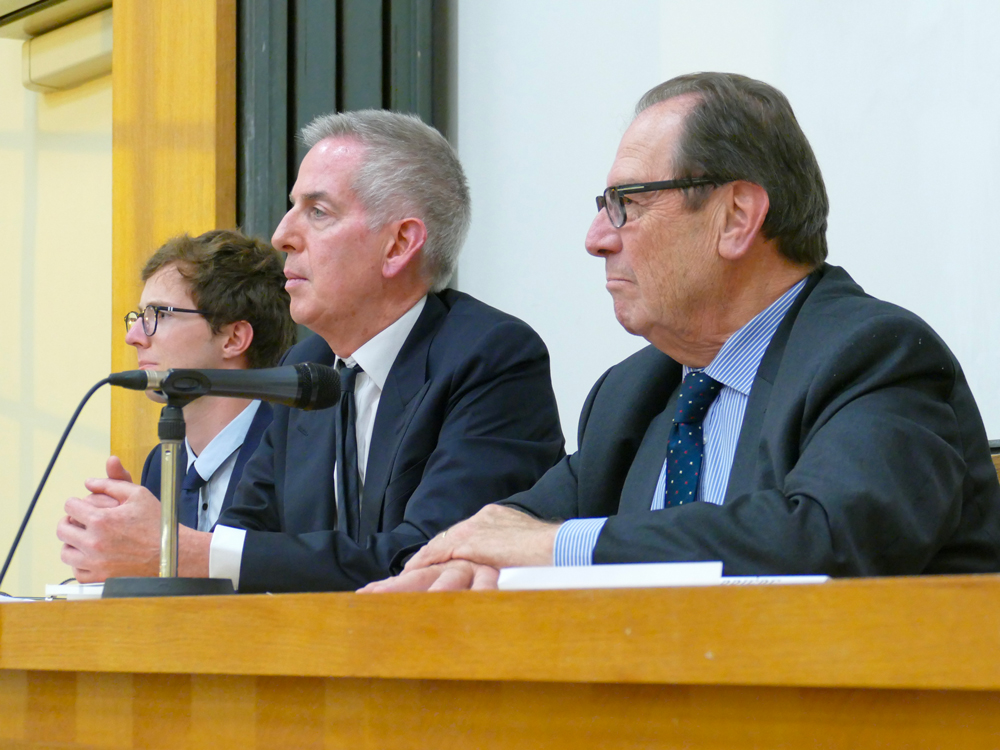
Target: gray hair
{"points": [[742, 129], [409, 169]]}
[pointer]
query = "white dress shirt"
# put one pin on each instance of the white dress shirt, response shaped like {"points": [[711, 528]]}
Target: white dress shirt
{"points": [[376, 357], [215, 465]]}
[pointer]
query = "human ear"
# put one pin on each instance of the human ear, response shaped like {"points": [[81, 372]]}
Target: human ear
{"points": [[406, 241], [237, 339], [746, 205]]}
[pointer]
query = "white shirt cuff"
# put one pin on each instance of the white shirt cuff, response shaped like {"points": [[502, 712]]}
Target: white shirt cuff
{"points": [[226, 554], [575, 541]]}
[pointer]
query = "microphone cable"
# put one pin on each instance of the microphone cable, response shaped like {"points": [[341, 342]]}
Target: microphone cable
{"points": [[45, 476]]}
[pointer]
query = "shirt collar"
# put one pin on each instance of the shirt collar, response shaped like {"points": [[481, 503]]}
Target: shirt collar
{"points": [[739, 358], [377, 355], [222, 446]]}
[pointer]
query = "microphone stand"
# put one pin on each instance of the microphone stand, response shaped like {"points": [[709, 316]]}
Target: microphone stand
{"points": [[171, 431]]}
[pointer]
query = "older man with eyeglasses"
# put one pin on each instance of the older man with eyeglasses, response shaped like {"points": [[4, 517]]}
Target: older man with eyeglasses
{"points": [[782, 421]]}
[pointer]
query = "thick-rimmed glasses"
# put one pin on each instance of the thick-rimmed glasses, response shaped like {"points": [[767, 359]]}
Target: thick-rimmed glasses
{"points": [[150, 314], [614, 199]]}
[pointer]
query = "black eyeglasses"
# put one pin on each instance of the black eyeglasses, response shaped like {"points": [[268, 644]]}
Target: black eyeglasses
{"points": [[151, 314], [614, 198]]}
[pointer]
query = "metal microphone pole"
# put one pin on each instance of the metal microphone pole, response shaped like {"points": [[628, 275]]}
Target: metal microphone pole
{"points": [[171, 431]]}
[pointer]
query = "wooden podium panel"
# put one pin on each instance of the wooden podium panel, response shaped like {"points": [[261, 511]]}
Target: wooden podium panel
{"points": [[908, 662]]}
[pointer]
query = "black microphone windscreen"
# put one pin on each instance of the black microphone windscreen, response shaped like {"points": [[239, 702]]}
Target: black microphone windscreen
{"points": [[321, 386]]}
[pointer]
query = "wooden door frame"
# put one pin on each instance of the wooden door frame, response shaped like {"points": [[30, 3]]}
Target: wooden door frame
{"points": [[173, 161]]}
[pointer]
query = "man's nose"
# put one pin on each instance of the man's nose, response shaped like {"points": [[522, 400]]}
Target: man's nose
{"points": [[283, 237], [602, 238], [136, 336]]}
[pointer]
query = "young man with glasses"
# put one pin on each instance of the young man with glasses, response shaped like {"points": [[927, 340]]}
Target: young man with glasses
{"points": [[216, 301], [782, 421]]}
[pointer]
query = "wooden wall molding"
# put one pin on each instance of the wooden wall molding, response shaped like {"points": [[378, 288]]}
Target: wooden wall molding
{"points": [[173, 160]]}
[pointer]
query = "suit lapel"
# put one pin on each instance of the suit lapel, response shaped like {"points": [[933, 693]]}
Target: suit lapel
{"points": [[404, 389], [311, 438], [254, 433], [155, 474], [640, 483], [744, 471]]}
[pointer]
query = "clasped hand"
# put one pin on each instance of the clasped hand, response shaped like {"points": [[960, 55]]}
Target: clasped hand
{"points": [[470, 554], [112, 532]]}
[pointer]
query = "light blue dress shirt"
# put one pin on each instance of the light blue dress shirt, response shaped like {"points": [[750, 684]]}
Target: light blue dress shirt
{"points": [[215, 464], [735, 366]]}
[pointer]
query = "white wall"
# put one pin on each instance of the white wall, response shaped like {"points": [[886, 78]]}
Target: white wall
{"points": [[55, 306], [900, 100]]}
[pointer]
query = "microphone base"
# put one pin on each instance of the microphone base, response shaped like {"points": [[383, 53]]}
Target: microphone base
{"points": [[124, 588]]}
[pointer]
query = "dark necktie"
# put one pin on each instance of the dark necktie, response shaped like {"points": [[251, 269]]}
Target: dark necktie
{"points": [[686, 446], [190, 498], [347, 477]]}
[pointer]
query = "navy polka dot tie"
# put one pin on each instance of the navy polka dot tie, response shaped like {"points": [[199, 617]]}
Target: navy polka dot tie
{"points": [[686, 445]]}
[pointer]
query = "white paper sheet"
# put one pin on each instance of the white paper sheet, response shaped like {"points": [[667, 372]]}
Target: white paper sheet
{"points": [[73, 591], [633, 575]]}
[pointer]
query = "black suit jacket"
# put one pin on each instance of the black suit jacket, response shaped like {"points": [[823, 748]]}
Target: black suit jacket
{"points": [[862, 452], [467, 417], [151, 470]]}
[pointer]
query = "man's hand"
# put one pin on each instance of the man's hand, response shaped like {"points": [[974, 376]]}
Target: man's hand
{"points": [[496, 536], [455, 575], [115, 531], [115, 470]]}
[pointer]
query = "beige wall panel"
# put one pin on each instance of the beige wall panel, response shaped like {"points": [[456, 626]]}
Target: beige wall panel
{"points": [[11, 239], [55, 246], [83, 109], [82, 457], [13, 504], [11, 90], [72, 298]]}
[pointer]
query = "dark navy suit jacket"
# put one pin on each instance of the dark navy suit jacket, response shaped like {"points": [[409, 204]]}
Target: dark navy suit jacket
{"points": [[862, 453], [467, 417], [151, 469]]}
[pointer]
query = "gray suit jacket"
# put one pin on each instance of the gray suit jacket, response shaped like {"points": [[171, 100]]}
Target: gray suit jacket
{"points": [[862, 453]]}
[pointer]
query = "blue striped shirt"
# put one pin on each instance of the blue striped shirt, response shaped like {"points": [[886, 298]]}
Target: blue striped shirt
{"points": [[735, 366]]}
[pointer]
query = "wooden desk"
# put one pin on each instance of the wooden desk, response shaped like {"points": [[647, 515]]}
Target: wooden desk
{"points": [[909, 662]]}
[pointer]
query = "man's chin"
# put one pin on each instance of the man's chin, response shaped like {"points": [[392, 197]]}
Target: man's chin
{"points": [[156, 396], [626, 319]]}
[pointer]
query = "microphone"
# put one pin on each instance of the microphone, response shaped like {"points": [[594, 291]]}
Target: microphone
{"points": [[303, 386]]}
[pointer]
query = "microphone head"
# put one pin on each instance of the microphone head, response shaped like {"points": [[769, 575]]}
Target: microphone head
{"points": [[320, 386]]}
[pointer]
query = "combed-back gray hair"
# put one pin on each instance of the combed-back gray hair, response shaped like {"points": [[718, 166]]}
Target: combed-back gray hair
{"points": [[409, 169], [742, 129]]}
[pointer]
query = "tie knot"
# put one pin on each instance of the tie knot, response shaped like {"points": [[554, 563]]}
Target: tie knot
{"points": [[698, 391], [347, 376], [193, 480]]}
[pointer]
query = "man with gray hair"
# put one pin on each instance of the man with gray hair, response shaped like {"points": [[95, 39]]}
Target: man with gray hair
{"points": [[781, 420], [447, 403]]}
